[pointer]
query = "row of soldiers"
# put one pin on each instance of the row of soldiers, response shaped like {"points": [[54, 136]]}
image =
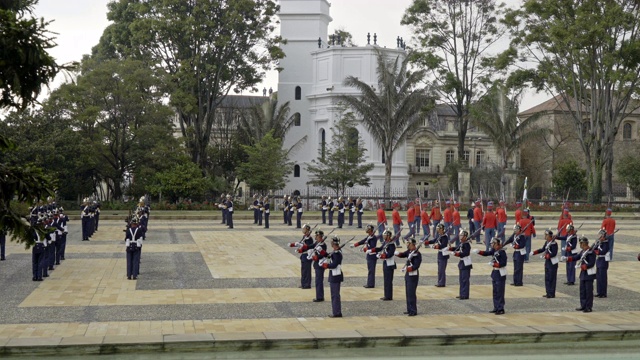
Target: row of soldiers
{"points": [[591, 260], [89, 217], [135, 234], [49, 233]]}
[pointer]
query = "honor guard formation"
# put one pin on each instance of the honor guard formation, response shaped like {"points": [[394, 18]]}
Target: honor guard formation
{"points": [[441, 231]]}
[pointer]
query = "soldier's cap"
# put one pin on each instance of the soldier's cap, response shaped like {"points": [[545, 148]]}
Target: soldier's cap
{"points": [[496, 240], [570, 227], [583, 239], [526, 210], [464, 233], [440, 226], [370, 227], [490, 204], [306, 227], [477, 203], [548, 232], [134, 220], [320, 232], [608, 211], [335, 240], [387, 233], [412, 240], [448, 202]]}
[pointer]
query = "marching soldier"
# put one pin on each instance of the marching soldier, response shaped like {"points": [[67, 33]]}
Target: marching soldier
{"points": [[360, 211], [425, 221], [260, 209], [334, 264], [386, 252], [397, 223], [517, 241], [324, 207], [382, 219], [351, 203], [133, 244], [411, 275], [498, 275], [96, 219], [37, 251], [370, 242], [477, 219], [550, 250], [570, 249], [489, 224], [85, 218], [266, 209], [319, 252], [305, 264], [456, 222], [463, 251], [441, 243], [340, 209], [64, 220], [223, 209], [586, 260], [293, 203], [228, 205], [411, 221], [256, 208], [436, 216], [609, 224], [602, 252], [299, 213], [331, 209], [285, 209], [501, 216]]}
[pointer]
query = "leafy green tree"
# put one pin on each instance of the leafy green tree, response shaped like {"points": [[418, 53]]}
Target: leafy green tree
{"points": [[203, 49], [496, 114], [343, 163], [181, 181], [455, 38], [569, 175], [25, 64], [393, 110], [265, 117], [267, 166], [587, 53], [628, 169]]}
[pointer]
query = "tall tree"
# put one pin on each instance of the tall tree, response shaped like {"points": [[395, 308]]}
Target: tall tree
{"points": [[455, 38], [628, 168], [204, 49], [393, 110], [267, 167], [496, 114], [343, 163], [265, 117], [588, 52]]}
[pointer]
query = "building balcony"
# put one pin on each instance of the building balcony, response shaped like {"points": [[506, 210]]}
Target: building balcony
{"points": [[413, 169]]}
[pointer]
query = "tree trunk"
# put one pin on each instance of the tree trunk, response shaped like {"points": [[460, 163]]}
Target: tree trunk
{"points": [[595, 182], [387, 178]]}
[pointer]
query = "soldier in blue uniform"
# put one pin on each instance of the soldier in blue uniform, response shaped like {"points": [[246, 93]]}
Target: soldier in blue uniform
{"points": [[411, 275], [84, 218], [323, 208], [341, 210], [223, 210], [37, 252], [260, 209], [285, 209], [228, 204], [299, 213], [302, 246], [499, 273], [441, 243], [267, 209], [96, 218], [256, 209], [550, 251], [330, 209], [334, 265], [602, 263], [133, 244], [351, 204], [293, 203], [370, 242], [64, 220], [586, 261], [360, 211], [571, 249], [319, 252], [463, 251], [386, 253], [518, 242]]}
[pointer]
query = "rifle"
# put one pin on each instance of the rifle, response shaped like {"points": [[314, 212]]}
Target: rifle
{"points": [[411, 255], [300, 243], [314, 248], [386, 244], [525, 200], [468, 237], [328, 258]]}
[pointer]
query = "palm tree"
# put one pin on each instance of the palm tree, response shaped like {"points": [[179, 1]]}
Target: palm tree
{"points": [[391, 112], [495, 114], [263, 118]]}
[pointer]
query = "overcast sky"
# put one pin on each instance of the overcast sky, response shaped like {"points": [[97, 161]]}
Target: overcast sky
{"points": [[79, 24]]}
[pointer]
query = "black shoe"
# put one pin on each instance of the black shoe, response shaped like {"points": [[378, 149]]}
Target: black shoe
{"points": [[306, 287], [318, 300], [39, 279], [128, 277], [551, 296], [385, 299], [545, 296], [135, 278], [406, 313], [580, 309], [438, 285], [335, 316], [3, 259], [45, 275], [500, 312], [587, 310], [413, 314], [462, 298], [569, 283], [493, 311], [368, 287], [61, 258], [58, 263], [34, 279]]}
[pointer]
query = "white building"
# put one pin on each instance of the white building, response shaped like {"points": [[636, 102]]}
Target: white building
{"points": [[311, 80]]}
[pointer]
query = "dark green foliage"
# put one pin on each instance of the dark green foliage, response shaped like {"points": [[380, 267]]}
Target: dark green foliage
{"points": [[628, 169], [569, 175], [267, 167]]}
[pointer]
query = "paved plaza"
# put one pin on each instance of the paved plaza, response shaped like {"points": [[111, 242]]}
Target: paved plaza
{"points": [[201, 282]]}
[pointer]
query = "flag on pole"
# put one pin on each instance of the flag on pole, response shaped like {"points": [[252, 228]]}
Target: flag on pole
{"points": [[525, 201]]}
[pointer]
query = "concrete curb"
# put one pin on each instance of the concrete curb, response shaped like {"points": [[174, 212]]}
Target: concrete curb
{"points": [[282, 341]]}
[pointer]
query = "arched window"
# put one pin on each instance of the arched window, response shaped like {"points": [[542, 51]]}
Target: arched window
{"points": [[296, 119], [322, 143], [296, 171], [450, 157], [298, 94], [479, 157], [626, 131], [422, 160], [466, 156]]}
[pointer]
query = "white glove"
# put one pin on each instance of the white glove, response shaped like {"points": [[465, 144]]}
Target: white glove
{"points": [[564, 249], [396, 253], [490, 263], [432, 246], [475, 251], [563, 258], [352, 245], [369, 253]]}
